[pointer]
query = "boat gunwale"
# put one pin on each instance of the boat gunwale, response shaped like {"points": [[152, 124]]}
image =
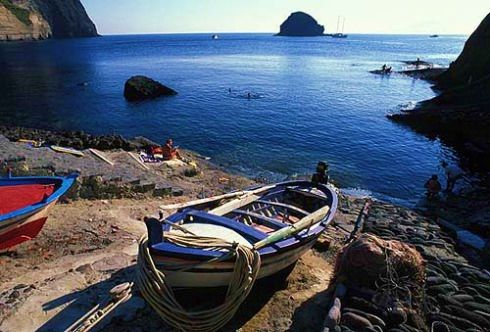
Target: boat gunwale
{"points": [[63, 185], [276, 248]]}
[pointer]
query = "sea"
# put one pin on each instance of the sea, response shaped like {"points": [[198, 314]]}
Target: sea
{"points": [[311, 99]]}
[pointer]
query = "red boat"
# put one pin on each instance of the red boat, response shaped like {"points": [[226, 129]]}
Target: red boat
{"points": [[24, 206]]}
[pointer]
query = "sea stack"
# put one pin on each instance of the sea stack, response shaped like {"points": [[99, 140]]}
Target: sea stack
{"points": [[42, 19], [139, 88], [300, 24]]}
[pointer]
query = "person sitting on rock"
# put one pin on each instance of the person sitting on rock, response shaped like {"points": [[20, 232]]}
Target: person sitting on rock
{"points": [[433, 187], [321, 176], [169, 152]]}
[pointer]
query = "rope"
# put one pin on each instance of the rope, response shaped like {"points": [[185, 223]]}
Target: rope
{"points": [[159, 294]]}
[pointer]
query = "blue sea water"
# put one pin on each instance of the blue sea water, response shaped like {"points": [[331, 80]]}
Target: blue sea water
{"points": [[312, 99]]}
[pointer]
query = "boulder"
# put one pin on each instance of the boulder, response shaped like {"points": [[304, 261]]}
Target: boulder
{"points": [[365, 260], [300, 24], [139, 88]]}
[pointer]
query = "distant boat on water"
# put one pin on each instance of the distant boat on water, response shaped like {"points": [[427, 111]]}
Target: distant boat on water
{"points": [[340, 34], [215, 37], [434, 36]]}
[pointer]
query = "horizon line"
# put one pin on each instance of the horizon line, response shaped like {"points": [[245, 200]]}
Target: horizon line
{"points": [[274, 33]]}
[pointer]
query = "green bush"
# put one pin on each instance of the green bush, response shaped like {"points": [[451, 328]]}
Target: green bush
{"points": [[21, 13]]}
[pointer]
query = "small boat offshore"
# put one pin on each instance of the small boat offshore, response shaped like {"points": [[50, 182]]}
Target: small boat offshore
{"points": [[281, 222], [24, 206]]}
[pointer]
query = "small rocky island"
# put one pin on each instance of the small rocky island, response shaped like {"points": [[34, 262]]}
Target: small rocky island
{"points": [[300, 24], [139, 88]]}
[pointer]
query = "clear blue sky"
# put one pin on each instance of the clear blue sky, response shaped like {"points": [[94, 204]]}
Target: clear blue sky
{"points": [[366, 16]]}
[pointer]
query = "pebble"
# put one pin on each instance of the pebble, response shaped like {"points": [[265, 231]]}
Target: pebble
{"points": [[19, 286]]}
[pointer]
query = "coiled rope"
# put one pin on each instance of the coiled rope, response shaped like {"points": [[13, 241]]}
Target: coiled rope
{"points": [[159, 294]]}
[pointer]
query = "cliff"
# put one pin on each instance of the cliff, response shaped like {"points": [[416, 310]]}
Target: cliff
{"points": [[460, 114], [474, 62], [42, 19], [300, 24]]}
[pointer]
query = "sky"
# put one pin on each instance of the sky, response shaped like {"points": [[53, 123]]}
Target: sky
{"points": [[215, 16]]}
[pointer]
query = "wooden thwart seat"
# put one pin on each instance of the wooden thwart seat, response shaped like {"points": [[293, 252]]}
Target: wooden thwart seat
{"points": [[286, 206], [266, 221]]}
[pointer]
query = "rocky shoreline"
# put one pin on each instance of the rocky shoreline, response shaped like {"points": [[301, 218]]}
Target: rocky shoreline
{"points": [[89, 246], [73, 139]]}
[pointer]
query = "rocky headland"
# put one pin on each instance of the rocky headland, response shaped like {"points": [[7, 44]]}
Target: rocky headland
{"points": [[42, 19], [460, 115], [300, 24]]}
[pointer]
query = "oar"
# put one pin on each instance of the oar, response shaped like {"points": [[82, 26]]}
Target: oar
{"points": [[138, 160], [235, 204], [283, 233], [215, 198], [101, 156]]}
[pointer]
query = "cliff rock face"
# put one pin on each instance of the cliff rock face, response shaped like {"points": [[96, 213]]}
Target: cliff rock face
{"points": [[460, 115], [300, 24], [41, 19], [474, 62]]}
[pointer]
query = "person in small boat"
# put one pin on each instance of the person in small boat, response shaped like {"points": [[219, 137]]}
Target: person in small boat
{"points": [[169, 152], [433, 187], [321, 176], [383, 68], [249, 95]]}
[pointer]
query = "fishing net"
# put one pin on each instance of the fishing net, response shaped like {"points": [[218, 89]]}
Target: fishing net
{"points": [[372, 262]]}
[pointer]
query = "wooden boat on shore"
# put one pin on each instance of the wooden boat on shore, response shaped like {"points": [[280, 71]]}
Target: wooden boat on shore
{"points": [[24, 206], [281, 221]]}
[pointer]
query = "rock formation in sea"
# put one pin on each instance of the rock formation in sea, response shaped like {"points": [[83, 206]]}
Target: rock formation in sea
{"points": [[42, 19], [300, 24], [460, 114], [141, 87]]}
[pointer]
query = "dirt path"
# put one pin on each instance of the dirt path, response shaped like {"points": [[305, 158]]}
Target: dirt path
{"points": [[83, 243]]}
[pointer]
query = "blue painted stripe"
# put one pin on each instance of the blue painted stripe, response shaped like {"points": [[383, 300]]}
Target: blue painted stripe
{"points": [[63, 184]]}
